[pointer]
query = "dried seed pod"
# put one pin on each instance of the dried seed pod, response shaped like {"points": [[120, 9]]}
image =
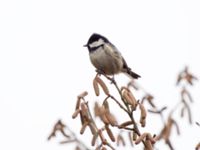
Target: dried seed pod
{"points": [[84, 109], [78, 102], [143, 111], [103, 140], [125, 124], [133, 100], [110, 134], [83, 127], [94, 139], [143, 122], [104, 119], [111, 119], [134, 136], [96, 87], [102, 115], [148, 145], [96, 109], [141, 138], [143, 115], [82, 95], [103, 85], [127, 98], [93, 128], [124, 88], [75, 114], [106, 106]]}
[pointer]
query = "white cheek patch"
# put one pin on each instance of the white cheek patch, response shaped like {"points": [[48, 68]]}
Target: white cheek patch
{"points": [[97, 43]]}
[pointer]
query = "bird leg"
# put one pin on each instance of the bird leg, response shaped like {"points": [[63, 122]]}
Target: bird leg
{"points": [[100, 72]]}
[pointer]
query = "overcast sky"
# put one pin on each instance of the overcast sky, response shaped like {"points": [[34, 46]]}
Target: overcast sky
{"points": [[44, 66]]}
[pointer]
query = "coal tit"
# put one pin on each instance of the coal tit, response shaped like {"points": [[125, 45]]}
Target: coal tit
{"points": [[106, 58]]}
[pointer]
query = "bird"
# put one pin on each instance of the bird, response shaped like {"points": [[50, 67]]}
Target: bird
{"points": [[106, 58]]}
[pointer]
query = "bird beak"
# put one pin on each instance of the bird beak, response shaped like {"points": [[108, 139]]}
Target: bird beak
{"points": [[85, 45]]}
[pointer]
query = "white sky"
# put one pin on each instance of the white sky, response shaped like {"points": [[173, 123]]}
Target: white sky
{"points": [[43, 66]]}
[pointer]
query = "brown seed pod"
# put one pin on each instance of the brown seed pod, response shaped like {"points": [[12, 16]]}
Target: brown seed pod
{"points": [[142, 122], [83, 127], [133, 100], [94, 139], [102, 112], [103, 85], [111, 119], [78, 102], [75, 114], [110, 134], [106, 106], [148, 145], [93, 128], [103, 140], [82, 95], [126, 97], [124, 88], [96, 87], [127, 123], [143, 115], [84, 109]]}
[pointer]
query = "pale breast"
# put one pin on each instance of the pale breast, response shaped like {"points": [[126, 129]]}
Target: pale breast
{"points": [[107, 60]]}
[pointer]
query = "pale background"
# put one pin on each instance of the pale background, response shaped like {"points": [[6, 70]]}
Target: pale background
{"points": [[43, 66]]}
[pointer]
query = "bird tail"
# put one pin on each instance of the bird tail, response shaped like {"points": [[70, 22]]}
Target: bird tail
{"points": [[133, 74]]}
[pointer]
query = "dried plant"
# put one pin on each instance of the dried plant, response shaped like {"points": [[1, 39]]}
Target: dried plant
{"points": [[125, 101], [70, 136], [184, 79], [103, 135]]}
